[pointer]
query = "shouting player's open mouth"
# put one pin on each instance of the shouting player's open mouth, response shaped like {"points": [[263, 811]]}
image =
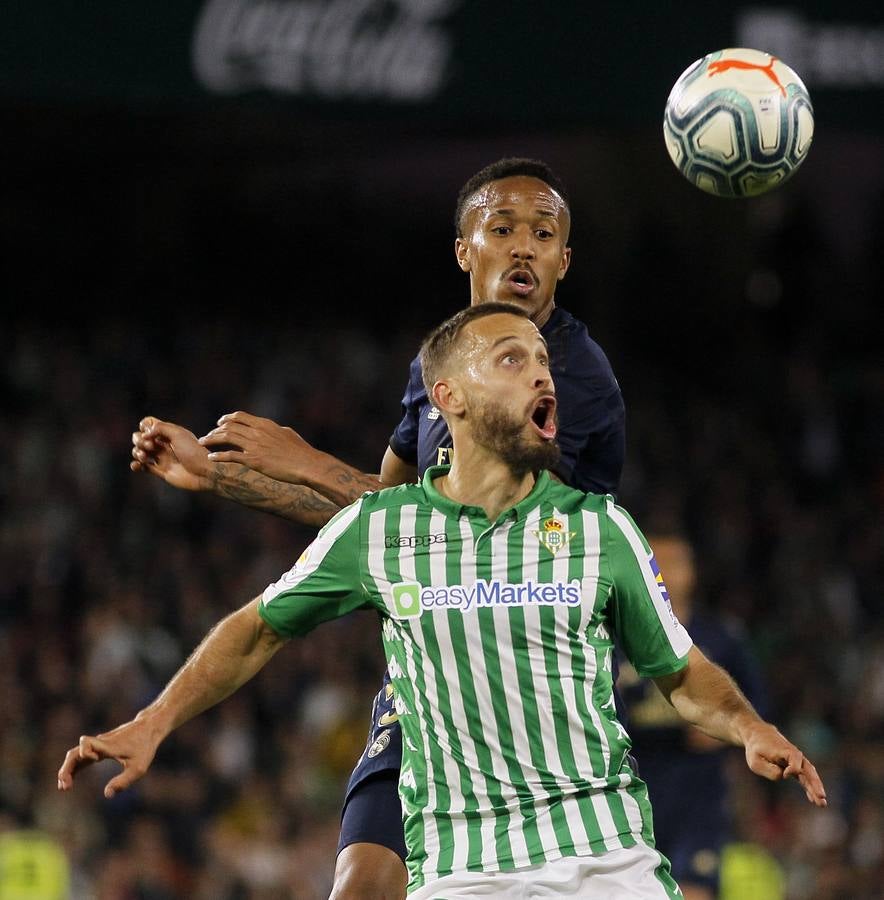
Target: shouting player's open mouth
{"points": [[543, 416], [521, 280]]}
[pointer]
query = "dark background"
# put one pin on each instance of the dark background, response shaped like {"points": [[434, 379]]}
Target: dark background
{"points": [[176, 249]]}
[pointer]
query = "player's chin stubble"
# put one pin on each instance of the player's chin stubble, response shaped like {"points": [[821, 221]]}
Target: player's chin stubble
{"points": [[496, 430]]}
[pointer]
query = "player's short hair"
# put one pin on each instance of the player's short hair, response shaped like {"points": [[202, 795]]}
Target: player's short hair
{"points": [[508, 167], [441, 341]]}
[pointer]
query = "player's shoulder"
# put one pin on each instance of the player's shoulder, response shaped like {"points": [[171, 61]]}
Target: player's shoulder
{"points": [[618, 523], [571, 499], [392, 497], [415, 392], [414, 367], [416, 373], [563, 322], [572, 348]]}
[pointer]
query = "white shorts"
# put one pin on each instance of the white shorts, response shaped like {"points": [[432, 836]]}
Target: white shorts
{"points": [[616, 875]]}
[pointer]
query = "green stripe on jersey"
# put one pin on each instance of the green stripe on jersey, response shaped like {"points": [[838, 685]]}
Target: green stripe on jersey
{"points": [[499, 638]]}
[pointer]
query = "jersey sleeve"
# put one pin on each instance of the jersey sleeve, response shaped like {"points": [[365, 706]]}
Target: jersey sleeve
{"points": [[404, 440], [325, 583], [652, 638]]}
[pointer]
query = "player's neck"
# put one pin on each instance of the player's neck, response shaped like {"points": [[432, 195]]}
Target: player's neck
{"points": [[477, 478], [543, 316]]}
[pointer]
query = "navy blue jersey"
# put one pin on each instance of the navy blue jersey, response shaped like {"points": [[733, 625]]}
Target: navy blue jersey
{"points": [[590, 406]]}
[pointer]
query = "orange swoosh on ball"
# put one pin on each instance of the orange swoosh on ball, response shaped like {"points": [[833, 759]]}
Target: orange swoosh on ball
{"points": [[722, 65]]}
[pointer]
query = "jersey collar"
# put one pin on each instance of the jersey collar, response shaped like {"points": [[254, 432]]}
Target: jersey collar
{"points": [[452, 507]]}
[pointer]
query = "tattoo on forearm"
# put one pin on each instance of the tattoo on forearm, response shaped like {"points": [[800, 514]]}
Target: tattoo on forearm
{"points": [[351, 484], [290, 501]]}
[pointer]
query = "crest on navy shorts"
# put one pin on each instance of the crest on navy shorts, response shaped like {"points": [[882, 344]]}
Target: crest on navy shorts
{"points": [[553, 535], [381, 744]]}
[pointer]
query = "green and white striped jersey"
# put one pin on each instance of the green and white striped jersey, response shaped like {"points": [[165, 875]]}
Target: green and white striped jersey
{"points": [[499, 640]]}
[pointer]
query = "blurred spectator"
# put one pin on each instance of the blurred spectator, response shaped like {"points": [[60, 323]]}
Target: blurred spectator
{"points": [[33, 865]]}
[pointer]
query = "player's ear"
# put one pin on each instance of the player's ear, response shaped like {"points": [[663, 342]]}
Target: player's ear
{"points": [[565, 263], [462, 252], [447, 396]]}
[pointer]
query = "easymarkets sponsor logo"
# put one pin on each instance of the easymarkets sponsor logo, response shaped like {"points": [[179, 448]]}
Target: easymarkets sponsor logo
{"points": [[410, 599]]}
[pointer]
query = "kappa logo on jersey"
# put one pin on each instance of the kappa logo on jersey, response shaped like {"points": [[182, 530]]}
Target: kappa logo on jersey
{"points": [[395, 671], [553, 536], [410, 599], [414, 540]]}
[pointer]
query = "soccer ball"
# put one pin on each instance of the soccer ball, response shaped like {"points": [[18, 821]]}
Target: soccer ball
{"points": [[738, 123]]}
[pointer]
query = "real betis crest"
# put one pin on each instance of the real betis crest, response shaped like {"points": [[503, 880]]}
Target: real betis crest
{"points": [[553, 536]]}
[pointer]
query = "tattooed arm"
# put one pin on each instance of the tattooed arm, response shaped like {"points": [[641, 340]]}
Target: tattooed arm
{"points": [[281, 453], [173, 453], [291, 501]]}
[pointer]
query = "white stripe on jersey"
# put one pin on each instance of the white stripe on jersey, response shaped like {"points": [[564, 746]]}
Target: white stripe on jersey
{"points": [[460, 715], [589, 586], [311, 558], [590, 527], [408, 572], [592, 548], [542, 689], [505, 657], [376, 532], [451, 774], [519, 732], [432, 842], [679, 639]]}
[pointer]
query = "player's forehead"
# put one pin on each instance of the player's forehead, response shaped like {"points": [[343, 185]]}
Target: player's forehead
{"points": [[520, 194], [488, 332]]}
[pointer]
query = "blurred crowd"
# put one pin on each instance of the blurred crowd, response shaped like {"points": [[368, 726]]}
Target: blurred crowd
{"points": [[110, 578]]}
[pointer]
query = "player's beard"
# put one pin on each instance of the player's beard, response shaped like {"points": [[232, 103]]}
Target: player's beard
{"points": [[497, 430]]}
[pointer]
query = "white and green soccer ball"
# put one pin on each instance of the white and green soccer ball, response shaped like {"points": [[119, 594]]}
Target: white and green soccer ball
{"points": [[738, 122]]}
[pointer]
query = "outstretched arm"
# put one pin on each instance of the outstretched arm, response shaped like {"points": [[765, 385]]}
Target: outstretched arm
{"points": [[235, 650], [706, 696], [281, 453], [174, 454]]}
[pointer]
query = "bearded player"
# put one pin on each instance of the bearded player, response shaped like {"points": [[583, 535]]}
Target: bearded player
{"points": [[499, 635], [512, 223]]}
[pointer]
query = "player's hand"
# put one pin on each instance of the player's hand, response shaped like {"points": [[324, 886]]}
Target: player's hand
{"points": [[771, 756], [261, 444], [172, 453], [133, 745]]}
